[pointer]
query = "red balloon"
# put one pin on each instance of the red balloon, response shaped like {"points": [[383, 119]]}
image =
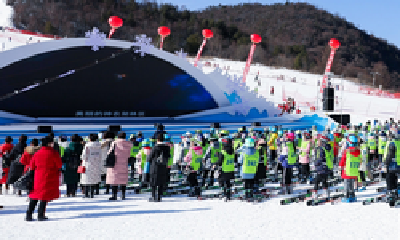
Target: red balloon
{"points": [[164, 31], [115, 21], [334, 43], [207, 33], [255, 38]]}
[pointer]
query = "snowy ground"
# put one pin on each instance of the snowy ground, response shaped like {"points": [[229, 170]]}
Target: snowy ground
{"points": [[181, 217]]}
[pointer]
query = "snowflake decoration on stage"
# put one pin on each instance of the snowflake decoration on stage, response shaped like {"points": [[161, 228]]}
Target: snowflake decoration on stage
{"points": [[144, 44], [243, 99], [95, 39], [181, 54]]}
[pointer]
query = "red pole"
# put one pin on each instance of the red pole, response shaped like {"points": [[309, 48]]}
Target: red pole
{"points": [[328, 68], [200, 51], [162, 41], [111, 33], [248, 62]]}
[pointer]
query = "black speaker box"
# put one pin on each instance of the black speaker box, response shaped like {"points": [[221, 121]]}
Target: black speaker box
{"points": [[114, 128], [328, 99], [45, 129], [215, 125], [256, 124], [342, 119]]}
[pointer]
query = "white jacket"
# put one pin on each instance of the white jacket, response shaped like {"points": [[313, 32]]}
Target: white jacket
{"points": [[92, 160]]}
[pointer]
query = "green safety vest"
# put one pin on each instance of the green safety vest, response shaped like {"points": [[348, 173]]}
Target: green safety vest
{"points": [[371, 144], [352, 165], [171, 158], [144, 158], [237, 143], [364, 150], [229, 162], [250, 163], [304, 144], [135, 150], [397, 144], [369, 128], [196, 161], [329, 158], [62, 151], [292, 156], [213, 153], [265, 157], [299, 141], [381, 146]]}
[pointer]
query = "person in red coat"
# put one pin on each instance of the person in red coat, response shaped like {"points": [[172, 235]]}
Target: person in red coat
{"points": [[4, 149], [47, 166]]}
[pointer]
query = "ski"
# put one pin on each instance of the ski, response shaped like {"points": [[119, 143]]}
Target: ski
{"points": [[316, 202], [394, 203], [380, 198], [297, 198]]}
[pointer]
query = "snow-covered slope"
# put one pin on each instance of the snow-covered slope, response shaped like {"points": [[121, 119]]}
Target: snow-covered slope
{"points": [[305, 90]]}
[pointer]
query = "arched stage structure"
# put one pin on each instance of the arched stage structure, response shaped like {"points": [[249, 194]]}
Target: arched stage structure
{"points": [[64, 81]]}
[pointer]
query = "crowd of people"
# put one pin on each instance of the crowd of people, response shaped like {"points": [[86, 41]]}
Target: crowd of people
{"points": [[112, 159]]}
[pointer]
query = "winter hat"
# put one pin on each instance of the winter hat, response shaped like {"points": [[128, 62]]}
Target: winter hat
{"points": [[249, 142], [290, 136], [353, 141], [146, 143]]}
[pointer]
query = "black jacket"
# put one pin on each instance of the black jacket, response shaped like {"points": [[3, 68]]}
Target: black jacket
{"points": [[158, 172], [18, 149], [157, 132], [389, 156]]}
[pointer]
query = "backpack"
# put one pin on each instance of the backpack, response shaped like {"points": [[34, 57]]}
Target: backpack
{"points": [[74, 160], [161, 159], [7, 159]]}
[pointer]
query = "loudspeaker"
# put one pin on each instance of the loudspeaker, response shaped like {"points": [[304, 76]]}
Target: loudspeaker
{"points": [[114, 128], [328, 98], [44, 129], [215, 125], [256, 124], [342, 119]]}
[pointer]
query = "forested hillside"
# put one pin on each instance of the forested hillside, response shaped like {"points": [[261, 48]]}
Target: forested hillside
{"points": [[295, 35]]}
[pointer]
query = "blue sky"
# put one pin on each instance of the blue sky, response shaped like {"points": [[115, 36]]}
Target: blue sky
{"points": [[378, 17]]}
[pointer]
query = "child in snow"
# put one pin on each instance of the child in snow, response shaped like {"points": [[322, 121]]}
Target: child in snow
{"points": [[141, 159], [304, 158], [248, 159], [349, 164], [194, 159], [321, 165], [210, 161], [226, 161], [363, 166]]}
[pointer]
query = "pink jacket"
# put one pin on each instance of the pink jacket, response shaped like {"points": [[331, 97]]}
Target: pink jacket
{"points": [[118, 175], [146, 151], [306, 158], [188, 158]]}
